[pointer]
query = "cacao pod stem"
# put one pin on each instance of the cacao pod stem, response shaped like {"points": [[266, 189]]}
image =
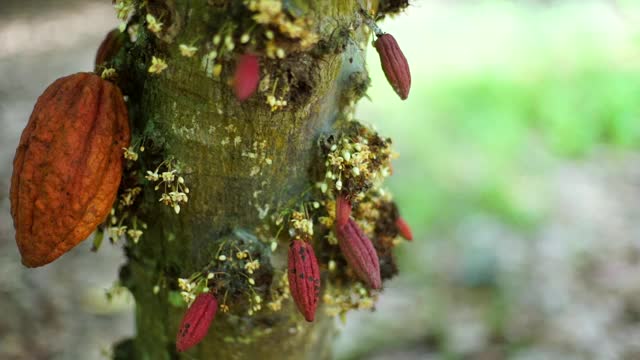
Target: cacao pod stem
{"points": [[343, 210]]}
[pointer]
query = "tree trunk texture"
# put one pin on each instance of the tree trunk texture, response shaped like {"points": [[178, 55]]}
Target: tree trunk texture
{"points": [[241, 161]]}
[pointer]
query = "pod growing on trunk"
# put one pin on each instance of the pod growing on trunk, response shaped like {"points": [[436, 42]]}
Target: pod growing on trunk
{"points": [[67, 166], [196, 321], [359, 252], [304, 278], [394, 64]]}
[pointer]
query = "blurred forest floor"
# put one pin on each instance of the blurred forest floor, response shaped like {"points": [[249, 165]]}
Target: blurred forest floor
{"points": [[519, 172]]}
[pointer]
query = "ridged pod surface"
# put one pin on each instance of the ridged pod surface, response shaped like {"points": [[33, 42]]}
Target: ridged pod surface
{"points": [[196, 321], [67, 166], [394, 64], [360, 254], [304, 278]]}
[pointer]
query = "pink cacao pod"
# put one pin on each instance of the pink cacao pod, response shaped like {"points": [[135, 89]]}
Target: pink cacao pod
{"points": [[343, 210], [247, 76], [394, 64], [196, 321], [360, 254], [403, 229], [304, 278]]}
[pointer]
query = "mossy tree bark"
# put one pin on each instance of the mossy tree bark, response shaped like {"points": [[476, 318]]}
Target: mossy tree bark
{"points": [[241, 161]]}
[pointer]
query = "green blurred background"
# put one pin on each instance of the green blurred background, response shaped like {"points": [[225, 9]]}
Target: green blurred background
{"points": [[518, 172]]}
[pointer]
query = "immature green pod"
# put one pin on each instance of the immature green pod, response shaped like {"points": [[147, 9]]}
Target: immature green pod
{"points": [[394, 64]]}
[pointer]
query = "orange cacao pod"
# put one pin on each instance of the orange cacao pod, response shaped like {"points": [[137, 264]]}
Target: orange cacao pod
{"points": [[67, 166], [304, 278], [359, 252], [196, 321], [394, 64]]}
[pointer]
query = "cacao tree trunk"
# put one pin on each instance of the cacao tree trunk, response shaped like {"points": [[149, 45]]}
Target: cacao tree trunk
{"points": [[189, 115]]}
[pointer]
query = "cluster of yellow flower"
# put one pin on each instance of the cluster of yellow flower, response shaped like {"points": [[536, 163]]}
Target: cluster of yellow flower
{"points": [[339, 301], [167, 177], [269, 12]]}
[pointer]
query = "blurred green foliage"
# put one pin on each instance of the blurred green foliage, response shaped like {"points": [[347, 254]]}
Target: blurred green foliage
{"points": [[479, 132], [504, 95]]}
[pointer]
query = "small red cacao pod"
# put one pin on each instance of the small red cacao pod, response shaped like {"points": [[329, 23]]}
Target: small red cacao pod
{"points": [[360, 254], [403, 229], [247, 76], [304, 278], [343, 210], [394, 65], [109, 47], [67, 166], [196, 321]]}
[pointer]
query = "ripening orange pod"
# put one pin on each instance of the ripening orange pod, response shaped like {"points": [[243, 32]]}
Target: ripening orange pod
{"points": [[68, 166], [196, 321], [394, 64], [304, 278]]}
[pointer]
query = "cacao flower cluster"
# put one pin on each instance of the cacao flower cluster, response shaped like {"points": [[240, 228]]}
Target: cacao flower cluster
{"points": [[68, 165], [196, 321], [394, 64]]}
